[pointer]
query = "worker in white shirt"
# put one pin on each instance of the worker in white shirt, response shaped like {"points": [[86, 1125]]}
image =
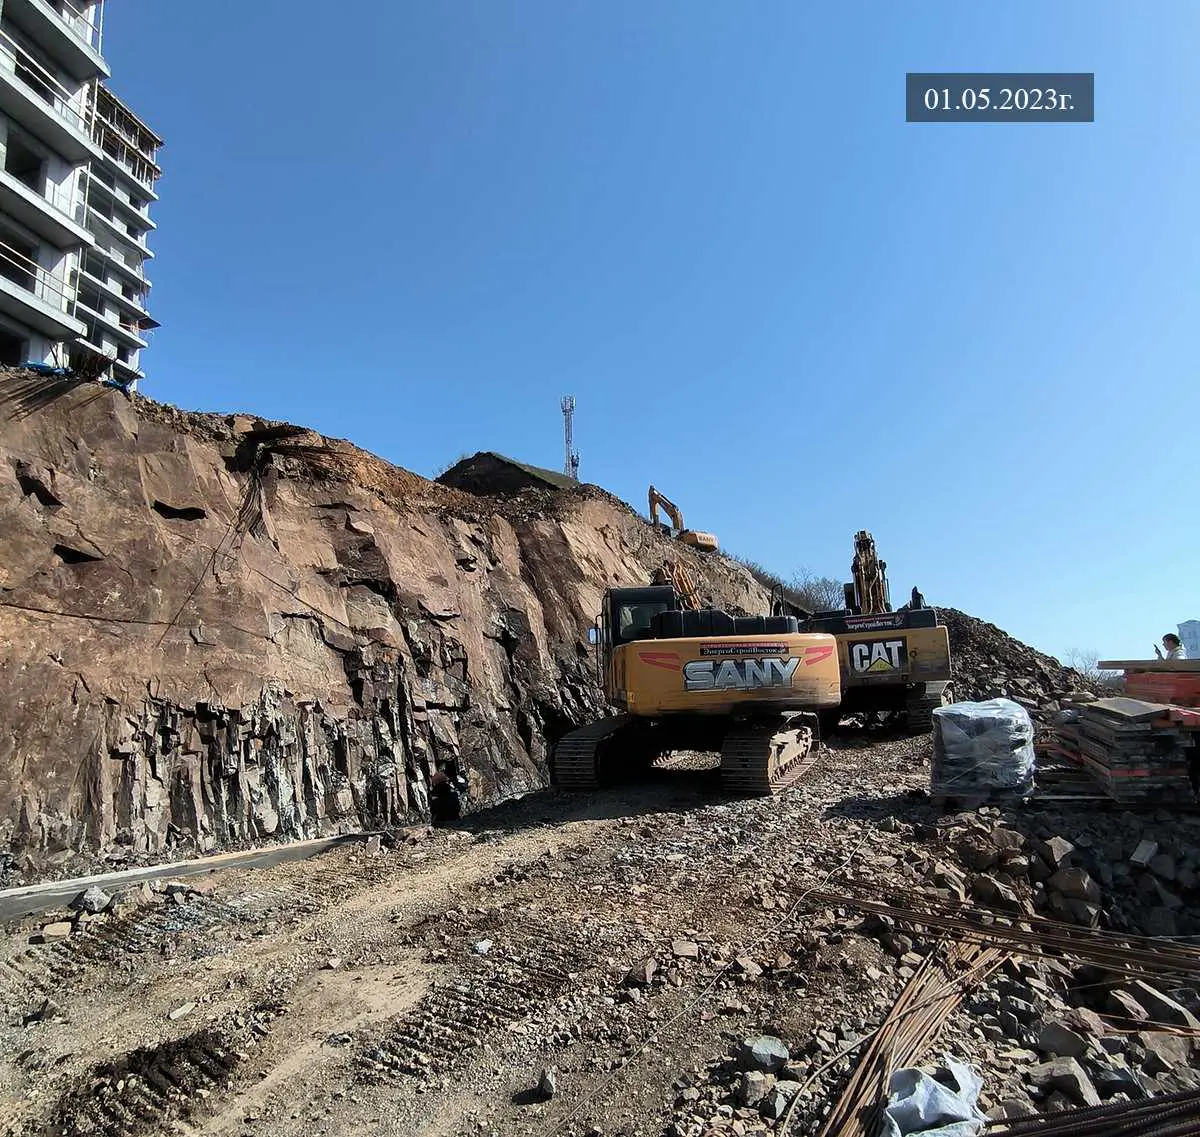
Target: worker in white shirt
{"points": [[1174, 646]]}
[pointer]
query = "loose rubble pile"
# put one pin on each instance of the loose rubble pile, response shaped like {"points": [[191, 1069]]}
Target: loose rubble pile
{"points": [[990, 664], [686, 967], [1046, 1034], [1138, 874]]}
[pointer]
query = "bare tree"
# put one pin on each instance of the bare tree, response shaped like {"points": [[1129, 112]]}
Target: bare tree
{"points": [[818, 593], [1086, 663]]}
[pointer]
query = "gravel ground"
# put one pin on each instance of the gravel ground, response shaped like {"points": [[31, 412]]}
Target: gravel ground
{"points": [[626, 940]]}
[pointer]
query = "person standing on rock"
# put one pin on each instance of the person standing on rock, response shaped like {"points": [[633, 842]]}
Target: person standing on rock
{"points": [[1174, 646]]}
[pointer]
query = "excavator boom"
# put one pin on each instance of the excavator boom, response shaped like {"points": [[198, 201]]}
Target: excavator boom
{"points": [[674, 574], [660, 500], [706, 542], [872, 595], [892, 662]]}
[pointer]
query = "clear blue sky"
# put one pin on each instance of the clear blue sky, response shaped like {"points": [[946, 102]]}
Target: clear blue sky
{"points": [[417, 225]]}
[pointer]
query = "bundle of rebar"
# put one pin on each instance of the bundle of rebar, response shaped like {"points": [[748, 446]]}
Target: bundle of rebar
{"points": [[910, 1028], [1172, 1115], [1035, 935], [25, 392]]}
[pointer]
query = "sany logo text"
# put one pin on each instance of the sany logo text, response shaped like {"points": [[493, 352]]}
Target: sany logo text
{"points": [[738, 674]]}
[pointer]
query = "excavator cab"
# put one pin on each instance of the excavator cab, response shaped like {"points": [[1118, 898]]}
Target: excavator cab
{"points": [[632, 611], [627, 616]]}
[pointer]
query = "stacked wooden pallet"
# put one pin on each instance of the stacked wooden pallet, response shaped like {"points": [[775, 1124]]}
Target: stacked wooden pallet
{"points": [[1137, 751]]}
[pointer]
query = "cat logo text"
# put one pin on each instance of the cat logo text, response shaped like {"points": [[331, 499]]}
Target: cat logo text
{"points": [[875, 656]]}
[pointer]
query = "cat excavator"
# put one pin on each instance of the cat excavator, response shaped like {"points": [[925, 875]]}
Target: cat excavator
{"points": [[893, 662], [686, 677], [705, 542]]}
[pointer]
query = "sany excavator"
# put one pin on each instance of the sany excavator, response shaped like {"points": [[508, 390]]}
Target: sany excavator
{"points": [[893, 662], [683, 677], [706, 542]]}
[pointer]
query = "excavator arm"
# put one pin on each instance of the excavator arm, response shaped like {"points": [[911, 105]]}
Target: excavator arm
{"points": [[674, 574], [705, 542], [872, 595], [672, 511]]}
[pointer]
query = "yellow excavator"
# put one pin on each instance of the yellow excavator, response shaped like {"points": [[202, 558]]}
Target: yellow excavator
{"points": [[684, 677], [893, 662], [673, 573], [706, 542]]}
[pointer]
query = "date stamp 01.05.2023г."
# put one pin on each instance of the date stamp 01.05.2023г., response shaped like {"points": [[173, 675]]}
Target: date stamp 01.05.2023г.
{"points": [[966, 96]]}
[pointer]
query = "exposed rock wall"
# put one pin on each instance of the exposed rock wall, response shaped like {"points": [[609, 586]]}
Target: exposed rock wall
{"points": [[215, 630]]}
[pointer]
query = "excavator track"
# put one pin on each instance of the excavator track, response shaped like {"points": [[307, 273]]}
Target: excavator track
{"points": [[918, 713], [763, 759], [576, 757]]}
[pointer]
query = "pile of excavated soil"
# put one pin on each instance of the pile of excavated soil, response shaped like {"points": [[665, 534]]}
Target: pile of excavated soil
{"points": [[990, 664]]}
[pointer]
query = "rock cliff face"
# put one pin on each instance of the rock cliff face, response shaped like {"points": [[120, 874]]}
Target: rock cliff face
{"points": [[216, 629]]}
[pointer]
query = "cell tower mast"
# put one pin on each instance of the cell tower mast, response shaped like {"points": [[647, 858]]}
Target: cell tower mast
{"points": [[571, 468]]}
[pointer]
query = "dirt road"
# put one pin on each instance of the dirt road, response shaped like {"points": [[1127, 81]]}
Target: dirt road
{"points": [[423, 988]]}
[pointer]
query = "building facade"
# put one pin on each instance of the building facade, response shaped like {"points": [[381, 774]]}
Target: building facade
{"points": [[77, 176]]}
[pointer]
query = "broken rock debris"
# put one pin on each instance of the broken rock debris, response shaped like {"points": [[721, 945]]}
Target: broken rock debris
{"points": [[763, 1053]]}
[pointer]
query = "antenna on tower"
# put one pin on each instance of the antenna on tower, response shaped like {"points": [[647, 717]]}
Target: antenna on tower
{"points": [[571, 468]]}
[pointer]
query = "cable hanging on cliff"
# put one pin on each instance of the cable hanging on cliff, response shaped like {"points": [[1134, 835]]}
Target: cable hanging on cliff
{"points": [[253, 454]]}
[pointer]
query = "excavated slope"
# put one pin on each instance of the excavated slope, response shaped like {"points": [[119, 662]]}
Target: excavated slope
{"points": [[216, 629]]}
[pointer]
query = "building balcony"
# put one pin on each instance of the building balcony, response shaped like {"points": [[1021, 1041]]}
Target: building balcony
{"points": [[35, 101], [115, 261], [123, 166], [33, 296], [67, 36], [122, 155], [40, 215], [102, 190], [124, 333], [127, 371], [109, 227], [112, 292]]}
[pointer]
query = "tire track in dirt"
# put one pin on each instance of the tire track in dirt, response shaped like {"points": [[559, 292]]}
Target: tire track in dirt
{"points": [[146, 1089]]}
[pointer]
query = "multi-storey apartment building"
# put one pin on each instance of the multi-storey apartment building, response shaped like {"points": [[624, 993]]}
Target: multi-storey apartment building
{"points": [[77, 175]]}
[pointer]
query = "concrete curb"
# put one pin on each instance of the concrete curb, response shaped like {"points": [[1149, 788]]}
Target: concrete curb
{"points": [[34, 898]]}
